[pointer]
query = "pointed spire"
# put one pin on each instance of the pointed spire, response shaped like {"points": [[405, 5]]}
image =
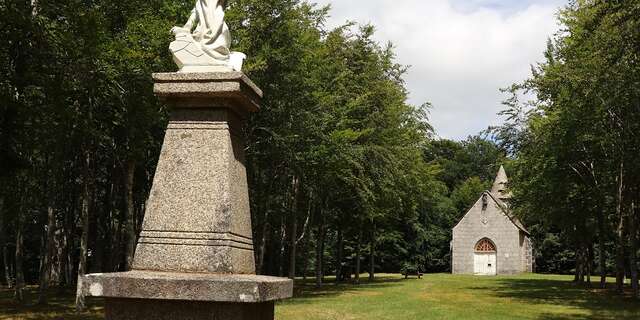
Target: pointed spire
{"points": [[500, 184]]}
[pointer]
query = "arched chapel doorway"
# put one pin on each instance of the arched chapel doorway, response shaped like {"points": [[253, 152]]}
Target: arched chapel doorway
{"points": [[484, 258]]}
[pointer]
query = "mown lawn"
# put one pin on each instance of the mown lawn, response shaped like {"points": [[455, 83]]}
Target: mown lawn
{"points": [[444, 296], [390, 297]]}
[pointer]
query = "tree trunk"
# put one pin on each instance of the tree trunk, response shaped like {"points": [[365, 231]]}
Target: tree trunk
{"points": [[97, 237], [119, 253], [55, 278], [262, 248], [7, 266], [3, 245], [47, 258], [104, 222], [19, 295], [305, 261], [130, 224], [34, 8], [294, 227], [320, 254], [110, 261], [283, 246], [372, 253], [589, 262], [356, 276], [292, 248], [68, 240], [633, 239], [579, 276], [84, 238], [620, 232], [583, 263], [108, 240], [602, 256], [339, 254]]}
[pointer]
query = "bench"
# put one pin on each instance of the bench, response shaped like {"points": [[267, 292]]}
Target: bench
{"points": [[408, 273]]}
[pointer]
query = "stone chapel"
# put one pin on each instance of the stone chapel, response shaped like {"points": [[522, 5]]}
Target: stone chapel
{"points": [[489, 240]]}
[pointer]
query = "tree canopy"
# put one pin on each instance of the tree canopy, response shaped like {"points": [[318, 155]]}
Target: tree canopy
{"points": [[344, 174], [576, 145]]}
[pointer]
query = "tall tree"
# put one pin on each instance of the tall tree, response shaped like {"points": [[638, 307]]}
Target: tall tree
{"points": [[575, 148]]}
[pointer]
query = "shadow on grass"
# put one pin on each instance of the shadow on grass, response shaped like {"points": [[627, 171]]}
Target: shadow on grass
{"points": [[599, 303], [60, 306], [61, 303], [305, 291]]}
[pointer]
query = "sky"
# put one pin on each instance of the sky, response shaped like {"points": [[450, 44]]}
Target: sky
{"points": [[460, 52]]}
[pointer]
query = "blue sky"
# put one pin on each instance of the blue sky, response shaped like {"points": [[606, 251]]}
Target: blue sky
{"points": [[461, 52]]}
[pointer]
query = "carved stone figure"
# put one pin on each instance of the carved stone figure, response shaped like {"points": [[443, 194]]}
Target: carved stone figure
{"points": [[202, 44]]}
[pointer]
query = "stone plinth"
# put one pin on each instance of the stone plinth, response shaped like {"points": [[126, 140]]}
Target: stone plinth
{"points": [[187, 286], [232, 90], [194, 258]]}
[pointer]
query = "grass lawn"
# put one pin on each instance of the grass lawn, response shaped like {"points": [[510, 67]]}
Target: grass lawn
{"points": [[436, 296]]}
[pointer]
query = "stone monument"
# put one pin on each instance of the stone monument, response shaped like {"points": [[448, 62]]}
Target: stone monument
{"points": [[194, 259]]}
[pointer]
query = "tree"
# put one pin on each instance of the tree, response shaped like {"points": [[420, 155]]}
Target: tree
{"points": [[575, 148]]}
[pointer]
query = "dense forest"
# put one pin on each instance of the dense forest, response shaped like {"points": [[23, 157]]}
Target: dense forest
{"points": [[345, 176]]}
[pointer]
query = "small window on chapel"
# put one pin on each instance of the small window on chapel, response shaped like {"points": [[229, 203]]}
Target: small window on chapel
{"points": [[485, 245]]}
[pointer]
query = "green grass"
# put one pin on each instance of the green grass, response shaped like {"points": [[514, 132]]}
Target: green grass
{"points": [[444, 296], [390, 297]]}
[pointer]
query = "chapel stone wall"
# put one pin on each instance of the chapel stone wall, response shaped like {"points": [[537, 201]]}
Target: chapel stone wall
{"points": [[489, 223]]}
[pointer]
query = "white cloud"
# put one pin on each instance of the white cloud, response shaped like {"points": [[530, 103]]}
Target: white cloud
{"points": [[460, 53]]}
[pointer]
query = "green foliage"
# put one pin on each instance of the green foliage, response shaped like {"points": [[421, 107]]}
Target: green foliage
{"points": [[577, 143], [337, 159], [467, 193], [475, 156]]}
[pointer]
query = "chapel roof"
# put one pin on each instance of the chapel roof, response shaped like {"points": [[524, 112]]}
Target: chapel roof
{"points": [[500, 195], [507, 212]]}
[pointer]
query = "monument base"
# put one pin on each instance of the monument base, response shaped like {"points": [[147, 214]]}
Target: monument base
{"points": [[143, 309], [186, 296], [203, 287]]}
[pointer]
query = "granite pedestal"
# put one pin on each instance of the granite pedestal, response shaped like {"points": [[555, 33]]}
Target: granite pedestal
{"points": [[194, 258]]}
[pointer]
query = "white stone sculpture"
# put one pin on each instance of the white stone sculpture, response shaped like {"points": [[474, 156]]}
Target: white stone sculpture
{"points": [[205, 48]]}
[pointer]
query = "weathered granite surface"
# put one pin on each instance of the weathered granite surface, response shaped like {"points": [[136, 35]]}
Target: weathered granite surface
{"points": [[194, 258], [197, 217], [137, 309], [186, 286], [232, 90]]}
